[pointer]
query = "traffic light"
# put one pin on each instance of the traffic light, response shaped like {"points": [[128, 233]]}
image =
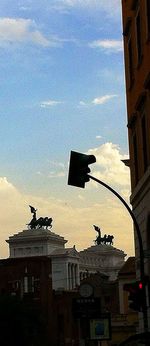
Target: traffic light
{"points": [[136, 295], [78, 169]]}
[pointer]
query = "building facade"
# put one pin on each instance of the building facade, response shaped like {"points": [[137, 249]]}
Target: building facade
{"points": [[42, 279], [136, 33], [43, 242], [26, 300], [69, 266], [35, 314]]}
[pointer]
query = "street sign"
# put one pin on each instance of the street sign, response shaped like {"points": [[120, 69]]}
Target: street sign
{"points": [[86, 307], [100, 328]]}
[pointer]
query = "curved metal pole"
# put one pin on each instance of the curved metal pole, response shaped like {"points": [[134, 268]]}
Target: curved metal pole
{"points": [[142, 272]]}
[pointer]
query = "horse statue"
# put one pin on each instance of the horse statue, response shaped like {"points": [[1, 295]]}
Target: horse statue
{"points": [[110, 239], [107, 239], [103, 240], [98, 239], [44, 222], [39, 223]]}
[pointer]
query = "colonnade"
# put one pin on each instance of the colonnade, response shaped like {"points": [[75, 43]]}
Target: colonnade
{"points": [[73, 274]]}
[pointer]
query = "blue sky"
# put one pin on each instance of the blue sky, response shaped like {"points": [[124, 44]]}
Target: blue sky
{"points": [[62, 88]]}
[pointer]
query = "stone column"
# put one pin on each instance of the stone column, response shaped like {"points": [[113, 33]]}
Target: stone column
{"points": [[72, 276], [69, 275]]}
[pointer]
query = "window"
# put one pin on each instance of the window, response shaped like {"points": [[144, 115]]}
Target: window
{"points": [[14, 287], [130, 61], [148, 17], [135, 152], [37, 285], [144, 139], [138, 37], [36, 249], [28, 250], [20, 251], [134, 4], [28, 284], [144, 142]]}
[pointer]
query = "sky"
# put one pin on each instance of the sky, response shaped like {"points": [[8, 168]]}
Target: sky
{"points": [[63, 88]]}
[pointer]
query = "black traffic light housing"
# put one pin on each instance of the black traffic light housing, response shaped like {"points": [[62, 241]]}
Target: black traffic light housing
{"points": [[78, 168], [136, 295]]}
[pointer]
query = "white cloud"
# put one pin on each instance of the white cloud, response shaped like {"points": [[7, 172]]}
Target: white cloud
{"points": [[80, 3], [109, 74], [81, 197], [82, 103], [57, 164], [5, 185], [50, 103], [97, 100], [114, 46], [58, 171], [103, 99], [106, 5], [55, 170], [53, 174], [112, 8], [25, 8], [39, 173], [98, 137], [110, 168], [21, 30]]}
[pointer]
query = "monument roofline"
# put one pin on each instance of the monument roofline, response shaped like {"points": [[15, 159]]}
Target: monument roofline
{"points": [[103, 249], [36, 234]]}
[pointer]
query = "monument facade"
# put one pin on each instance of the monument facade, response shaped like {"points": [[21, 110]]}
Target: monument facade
{"points": [[69, 266]]}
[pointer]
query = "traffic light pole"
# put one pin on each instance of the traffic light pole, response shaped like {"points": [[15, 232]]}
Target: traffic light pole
{"points": [[142, 271]]}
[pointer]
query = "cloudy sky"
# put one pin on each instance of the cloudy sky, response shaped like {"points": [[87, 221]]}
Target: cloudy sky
{"points": [[62, 89]]}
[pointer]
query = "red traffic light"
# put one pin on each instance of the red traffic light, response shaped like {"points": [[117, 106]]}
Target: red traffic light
{"points": [[140, 285], [135, 295]]}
